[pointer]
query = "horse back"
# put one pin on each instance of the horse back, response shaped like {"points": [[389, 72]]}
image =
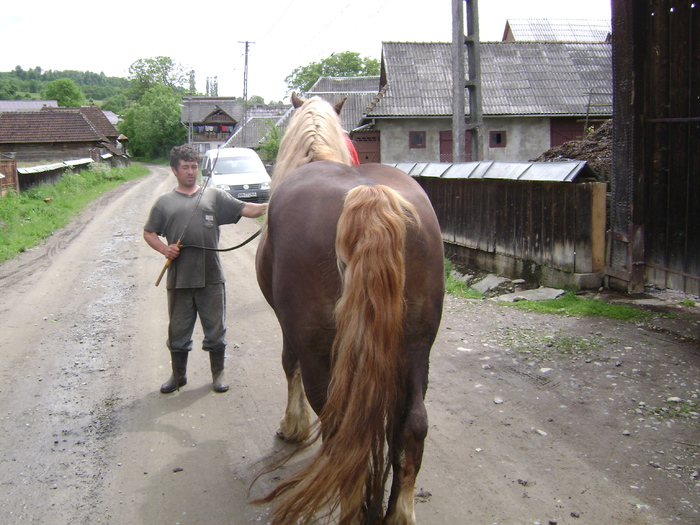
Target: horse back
{"points": [[299, 272]]}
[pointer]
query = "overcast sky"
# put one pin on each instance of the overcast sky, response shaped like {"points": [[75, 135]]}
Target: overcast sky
{"points": [[207, 36]]}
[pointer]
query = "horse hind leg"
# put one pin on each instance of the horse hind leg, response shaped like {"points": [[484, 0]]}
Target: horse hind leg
{"points": [[296, 422], [408, 445]]}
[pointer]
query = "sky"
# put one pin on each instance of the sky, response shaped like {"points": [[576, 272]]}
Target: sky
{"points": [[209, 36]]}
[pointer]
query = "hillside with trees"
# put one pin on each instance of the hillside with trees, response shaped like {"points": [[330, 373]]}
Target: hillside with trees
{"points": [[20, 84], [148, 100]]}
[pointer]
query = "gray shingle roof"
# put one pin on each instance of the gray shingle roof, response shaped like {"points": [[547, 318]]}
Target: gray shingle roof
{"points": [[26, 105], [196, 109], [517, 78], [548, 30], [346, 84], [359, 90], [250, 134]]}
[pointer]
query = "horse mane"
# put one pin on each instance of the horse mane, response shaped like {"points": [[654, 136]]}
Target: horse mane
{"points": [[314, 133]]}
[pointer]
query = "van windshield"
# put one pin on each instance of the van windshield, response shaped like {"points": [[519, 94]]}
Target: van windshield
{"points": [[236, 165]]}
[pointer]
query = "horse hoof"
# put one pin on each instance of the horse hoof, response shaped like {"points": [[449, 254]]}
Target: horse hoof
{"points": [[281, 435]]}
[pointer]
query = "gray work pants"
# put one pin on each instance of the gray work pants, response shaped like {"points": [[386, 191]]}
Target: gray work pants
{"points": [[184, 304]]}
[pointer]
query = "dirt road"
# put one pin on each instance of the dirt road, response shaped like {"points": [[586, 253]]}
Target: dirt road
{"points": [[517, 434]]}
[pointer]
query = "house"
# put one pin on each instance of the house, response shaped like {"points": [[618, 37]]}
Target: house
{"points": [[100, 121], [210, 121], [536, 95], [54, 135]]}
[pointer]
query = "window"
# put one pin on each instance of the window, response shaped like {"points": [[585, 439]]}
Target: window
{"points": [[497, 139], [416, 139]]}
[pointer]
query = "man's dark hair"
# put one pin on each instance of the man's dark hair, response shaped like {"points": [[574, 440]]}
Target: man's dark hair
{"points": [[184, 152]]}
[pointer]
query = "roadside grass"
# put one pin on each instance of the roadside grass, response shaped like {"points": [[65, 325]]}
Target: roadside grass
{"points": [[573, 305], [458, 288], [33, 215], [568, 304]]}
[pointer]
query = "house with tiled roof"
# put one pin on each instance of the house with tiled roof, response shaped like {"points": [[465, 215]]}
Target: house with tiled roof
{"points": [[52, 136], [98, 119], [536, 95]]}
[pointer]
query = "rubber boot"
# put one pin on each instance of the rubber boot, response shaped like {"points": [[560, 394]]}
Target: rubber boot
{"points": [[179, 376], [217, 370]]}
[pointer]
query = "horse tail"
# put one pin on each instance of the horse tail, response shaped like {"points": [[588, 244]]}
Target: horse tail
{"points": [[352, 464]]}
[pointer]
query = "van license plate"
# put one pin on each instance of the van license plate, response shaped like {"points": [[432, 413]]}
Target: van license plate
{"points": [[247, 195]]}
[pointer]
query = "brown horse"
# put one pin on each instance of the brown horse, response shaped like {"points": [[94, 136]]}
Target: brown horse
{"points": [[352, 264]]}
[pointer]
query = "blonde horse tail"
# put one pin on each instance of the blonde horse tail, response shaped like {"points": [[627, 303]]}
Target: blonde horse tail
{"points": [[351, 466]]}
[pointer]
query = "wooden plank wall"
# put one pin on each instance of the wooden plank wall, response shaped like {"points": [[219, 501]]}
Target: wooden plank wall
{"points": [[671, 131], [560, 225], [655, 208]]}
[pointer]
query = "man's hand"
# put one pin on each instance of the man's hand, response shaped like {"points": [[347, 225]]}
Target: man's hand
{"points": [[253, 210], [171, 251]]}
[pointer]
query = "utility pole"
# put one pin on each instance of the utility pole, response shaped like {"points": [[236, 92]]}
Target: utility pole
{"points": [[245, 91], [471, 82]]}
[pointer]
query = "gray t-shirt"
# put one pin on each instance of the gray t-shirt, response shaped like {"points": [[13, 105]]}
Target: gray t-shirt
{"points": [[194, 268]]}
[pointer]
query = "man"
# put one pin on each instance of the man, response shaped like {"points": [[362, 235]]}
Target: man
{"points": [[195, 282]]}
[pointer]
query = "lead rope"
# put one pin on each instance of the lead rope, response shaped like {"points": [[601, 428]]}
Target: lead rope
{"points": [[225, 249]]}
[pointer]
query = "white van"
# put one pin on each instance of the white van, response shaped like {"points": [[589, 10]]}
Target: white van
{"points": [[239, 171]]}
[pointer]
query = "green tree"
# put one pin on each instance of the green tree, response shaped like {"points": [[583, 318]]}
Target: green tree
{"points": [[116, 103], [271, 142], [65, 92], [148, 72], [345, 64], [153, 123], [8, 89]]}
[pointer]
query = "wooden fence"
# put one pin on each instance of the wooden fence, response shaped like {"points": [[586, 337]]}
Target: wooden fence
{"points": [[552, 233]]}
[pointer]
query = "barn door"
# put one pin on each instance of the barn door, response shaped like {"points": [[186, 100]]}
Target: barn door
{"points": [[446, 146]]}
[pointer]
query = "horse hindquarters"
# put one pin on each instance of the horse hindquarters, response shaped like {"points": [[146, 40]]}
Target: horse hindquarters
{"points": [[367, 375]]}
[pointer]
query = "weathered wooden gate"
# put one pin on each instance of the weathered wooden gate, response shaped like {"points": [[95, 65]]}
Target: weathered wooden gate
{"points": [[655, 212]]}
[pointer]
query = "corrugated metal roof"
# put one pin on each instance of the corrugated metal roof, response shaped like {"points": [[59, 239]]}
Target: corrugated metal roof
{"points": [[517, 78], [565, 171], [55, 166]]}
